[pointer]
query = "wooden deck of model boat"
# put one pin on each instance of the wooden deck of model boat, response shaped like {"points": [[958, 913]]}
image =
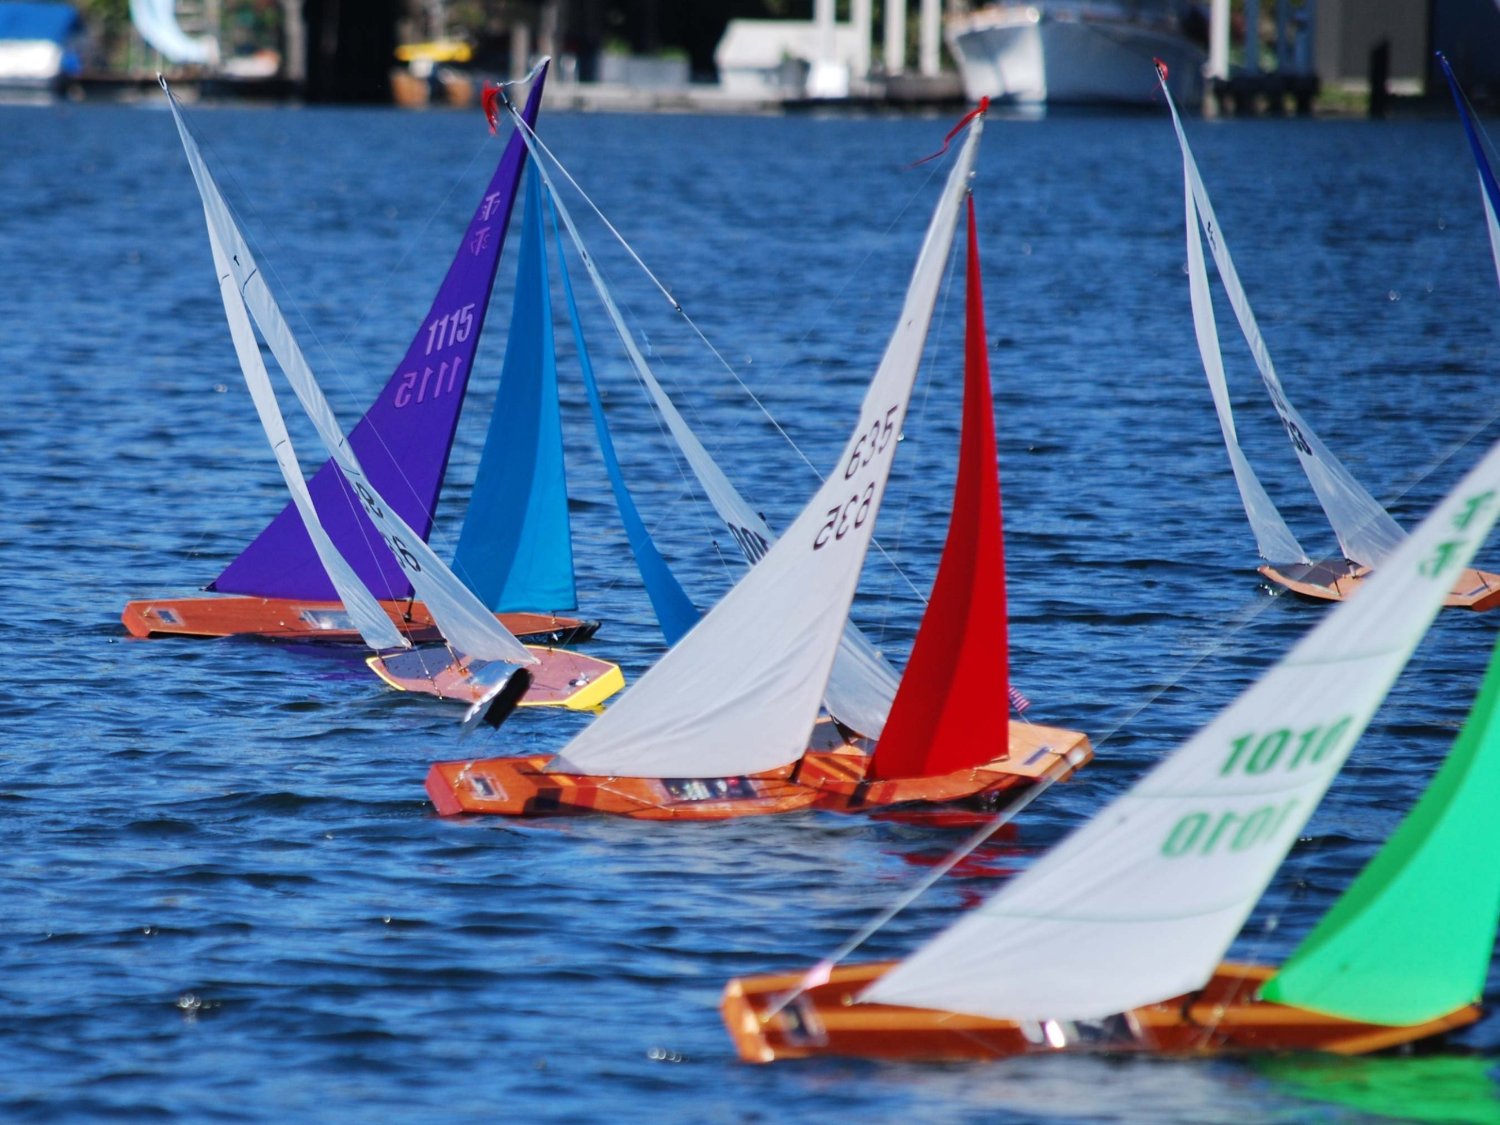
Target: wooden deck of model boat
{"points": [[1222, 1018], [562, 677], [831, 775], [1478, 590], [235, 615]]}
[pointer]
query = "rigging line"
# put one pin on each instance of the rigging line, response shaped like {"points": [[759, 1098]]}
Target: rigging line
{"points": [[710, 528], [985, 831], [676, 305], [1068, 763]]}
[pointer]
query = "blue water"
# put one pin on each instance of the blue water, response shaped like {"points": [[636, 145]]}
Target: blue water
{"points": [[225, 894]]}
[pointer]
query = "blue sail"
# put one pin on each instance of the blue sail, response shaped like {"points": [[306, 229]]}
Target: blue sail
{"points": [[515, 549], [1486, 174], [675, 612]]}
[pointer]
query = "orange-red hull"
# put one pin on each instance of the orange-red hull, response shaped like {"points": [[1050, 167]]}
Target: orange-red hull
{"points": [[1478, 590], [829, 776], [1223, 1018], [235, 615]]}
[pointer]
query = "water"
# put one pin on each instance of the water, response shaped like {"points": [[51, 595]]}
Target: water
{"points": [[226, 895]]}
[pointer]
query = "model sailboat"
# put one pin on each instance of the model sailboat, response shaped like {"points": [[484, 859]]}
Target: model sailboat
{"points": [[278, 586], [726, 724], [476, 636], [1367, 534], [1112, 940]]}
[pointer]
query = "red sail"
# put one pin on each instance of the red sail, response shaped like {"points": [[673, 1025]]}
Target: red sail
{"points": [[951, 711]]}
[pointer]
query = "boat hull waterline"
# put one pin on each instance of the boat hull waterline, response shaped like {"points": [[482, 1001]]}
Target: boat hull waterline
{"points": [[1222, 1018], [832, 775], [1478, 590], [238, 615]]}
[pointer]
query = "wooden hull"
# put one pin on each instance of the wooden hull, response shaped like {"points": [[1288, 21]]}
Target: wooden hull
{"points": [[1478, 590], [1224, 1018], [236, 615], [561, 677], [831, 775]]}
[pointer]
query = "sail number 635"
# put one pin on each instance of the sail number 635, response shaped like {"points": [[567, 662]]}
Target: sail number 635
{"points": [[882, 430], [844, 518]]}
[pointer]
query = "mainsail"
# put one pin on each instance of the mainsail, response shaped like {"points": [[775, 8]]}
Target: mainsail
{"points": [[463, 620], [943, 716], [740, 693], [1366, 532], [862, 684], [404, 439], [1140, 904], [515, 549]]}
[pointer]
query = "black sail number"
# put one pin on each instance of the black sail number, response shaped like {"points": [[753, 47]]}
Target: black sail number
{"points": [[871, 442], [405, 558], [846, 517]]}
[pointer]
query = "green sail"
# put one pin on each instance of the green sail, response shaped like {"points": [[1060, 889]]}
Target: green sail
{"points": [[1411, 939]]}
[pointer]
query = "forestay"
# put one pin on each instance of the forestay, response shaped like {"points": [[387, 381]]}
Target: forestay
{"points": [[460, 616], [740, 693], [862, 684], [1140, 904], [1366, 532]]}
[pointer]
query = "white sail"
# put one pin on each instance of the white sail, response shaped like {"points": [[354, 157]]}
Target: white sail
{"points": [[1140, 904], [459, 615], [1366, 532], [374, 625], [156, 20], [1275, 540], [863, 683], [741, 691]]}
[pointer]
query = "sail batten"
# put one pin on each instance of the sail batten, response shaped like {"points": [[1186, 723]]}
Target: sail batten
{"points": [[1184, 855], [740, 693], [862, 685], [459, 615], [404, 439]]}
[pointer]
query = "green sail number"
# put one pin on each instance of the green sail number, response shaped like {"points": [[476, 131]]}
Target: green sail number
{"points": [[1253, 755], [1203, 834]]}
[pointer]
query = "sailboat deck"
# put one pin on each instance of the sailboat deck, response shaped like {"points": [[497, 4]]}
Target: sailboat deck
{"points": [[561, 677], [1224, 1017], [239, 615], [1478, 590], [832, 775]]}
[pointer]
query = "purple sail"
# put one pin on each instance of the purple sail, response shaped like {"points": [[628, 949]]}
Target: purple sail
{"points": [[404, 439]]}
